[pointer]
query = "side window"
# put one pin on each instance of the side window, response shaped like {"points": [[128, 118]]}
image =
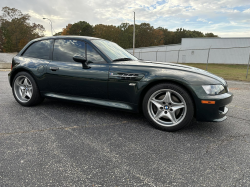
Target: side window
{"points": [[40, 49], [64, 50], [93, 56]]}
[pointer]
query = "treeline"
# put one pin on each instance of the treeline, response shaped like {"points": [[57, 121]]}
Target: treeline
{"points": [[16, 30], [145, 34]]}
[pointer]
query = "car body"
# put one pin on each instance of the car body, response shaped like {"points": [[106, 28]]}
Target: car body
{"points": [[95, 77]]}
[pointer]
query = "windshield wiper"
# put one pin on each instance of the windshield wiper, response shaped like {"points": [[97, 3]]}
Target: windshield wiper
{"points": [[122, 59]]}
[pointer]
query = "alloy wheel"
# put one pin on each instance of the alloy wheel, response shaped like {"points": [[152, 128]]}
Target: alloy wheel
{"points": [[167, 107], [23, 89]]}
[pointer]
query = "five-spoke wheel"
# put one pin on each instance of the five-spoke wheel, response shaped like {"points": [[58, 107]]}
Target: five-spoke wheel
{"points": [[168, 106], [25, 90]]}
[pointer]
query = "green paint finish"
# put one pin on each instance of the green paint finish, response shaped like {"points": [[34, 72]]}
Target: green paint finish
{"points": [[120, 84]]}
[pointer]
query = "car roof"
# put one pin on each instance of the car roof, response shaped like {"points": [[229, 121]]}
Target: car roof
{"points": [[59, 37], [68, 36]]}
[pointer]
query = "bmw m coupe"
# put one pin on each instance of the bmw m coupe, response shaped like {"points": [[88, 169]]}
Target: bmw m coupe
{"points": [[100, 72]]}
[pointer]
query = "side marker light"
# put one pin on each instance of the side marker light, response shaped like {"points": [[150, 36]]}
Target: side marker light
{"points": [[208, 102]]}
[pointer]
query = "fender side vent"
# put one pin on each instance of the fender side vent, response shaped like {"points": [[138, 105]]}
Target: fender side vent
{"points": [[127, 76]]}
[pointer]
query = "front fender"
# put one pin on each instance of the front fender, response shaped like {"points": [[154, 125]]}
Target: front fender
{"points": [[186, 77]]}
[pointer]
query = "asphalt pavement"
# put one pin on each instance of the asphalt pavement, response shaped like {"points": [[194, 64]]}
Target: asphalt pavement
{"points": [[67, 144]]}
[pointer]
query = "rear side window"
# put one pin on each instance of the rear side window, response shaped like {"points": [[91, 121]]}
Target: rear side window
{"points": [[40, 49], [64, 50]]}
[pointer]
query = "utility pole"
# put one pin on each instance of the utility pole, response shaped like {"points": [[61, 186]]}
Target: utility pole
{"points": [[134, 37], [50, 25]]}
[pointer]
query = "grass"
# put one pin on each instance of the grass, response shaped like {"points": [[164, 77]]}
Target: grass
{"points": [[227, 71]]}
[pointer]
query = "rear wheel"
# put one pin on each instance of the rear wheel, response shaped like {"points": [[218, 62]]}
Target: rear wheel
{"points": [[25, 90], [168, 107]]}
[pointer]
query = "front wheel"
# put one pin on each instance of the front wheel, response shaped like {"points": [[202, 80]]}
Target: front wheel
{"points": [[168, 107], [25, 90]]}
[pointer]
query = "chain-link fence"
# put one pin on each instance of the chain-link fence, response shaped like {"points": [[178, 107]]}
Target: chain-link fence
{"points": [[232, 55]]}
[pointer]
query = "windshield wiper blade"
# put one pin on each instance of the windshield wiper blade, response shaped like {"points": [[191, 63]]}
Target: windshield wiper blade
{"points": [[122, 59]]}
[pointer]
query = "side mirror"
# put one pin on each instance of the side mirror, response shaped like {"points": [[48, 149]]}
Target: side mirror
{"points": [[83, 60], [77, 58]]}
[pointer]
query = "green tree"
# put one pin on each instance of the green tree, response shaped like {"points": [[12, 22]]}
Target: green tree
{"points": [[193, 34], [168, 36], [81, 28], [144, 35], [108, 32], [179, 34], [16, 30], [65, 30], [1, 40], [158, 36], [126, 35], [210, 35]]}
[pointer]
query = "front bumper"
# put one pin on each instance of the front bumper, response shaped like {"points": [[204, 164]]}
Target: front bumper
{"points": [[213, 112]]}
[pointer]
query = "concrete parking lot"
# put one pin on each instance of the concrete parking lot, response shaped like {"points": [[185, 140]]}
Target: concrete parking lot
{"points": [[67, 144]]}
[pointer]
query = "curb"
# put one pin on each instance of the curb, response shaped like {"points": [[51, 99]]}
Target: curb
{"points": [[5, 65]]}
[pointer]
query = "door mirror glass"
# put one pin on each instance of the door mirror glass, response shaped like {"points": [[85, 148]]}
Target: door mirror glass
{"points": [[78, 58]]}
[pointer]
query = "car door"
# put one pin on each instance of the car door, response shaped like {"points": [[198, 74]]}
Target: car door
{"points": [[71, 78]]}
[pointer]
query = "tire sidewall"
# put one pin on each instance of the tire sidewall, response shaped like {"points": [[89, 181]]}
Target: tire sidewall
{"points": [[33, 99], [189, 104]]}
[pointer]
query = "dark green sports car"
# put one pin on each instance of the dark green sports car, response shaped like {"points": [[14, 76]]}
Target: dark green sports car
{"points": [[97, 71]]}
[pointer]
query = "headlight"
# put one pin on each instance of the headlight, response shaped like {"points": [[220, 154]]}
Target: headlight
{"points": [[214, 89]]}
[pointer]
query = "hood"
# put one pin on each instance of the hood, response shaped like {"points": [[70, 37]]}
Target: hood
{"points": [[173, 66]]}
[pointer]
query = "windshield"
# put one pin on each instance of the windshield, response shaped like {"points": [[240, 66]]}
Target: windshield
{"points": [[113, 51]]}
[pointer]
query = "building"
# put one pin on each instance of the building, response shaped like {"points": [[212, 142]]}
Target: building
{"points": [[199, 50]]}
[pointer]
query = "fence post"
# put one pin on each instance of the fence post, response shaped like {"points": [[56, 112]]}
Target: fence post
{"points": [[178, 55], [208, 56], [248, 66], [166, 54], [156, 54]]}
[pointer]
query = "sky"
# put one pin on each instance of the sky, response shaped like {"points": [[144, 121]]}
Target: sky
{"points": [[225, 18]]}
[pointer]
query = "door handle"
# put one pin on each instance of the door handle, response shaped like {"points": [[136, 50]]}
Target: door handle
{"points": [[54, 68]]}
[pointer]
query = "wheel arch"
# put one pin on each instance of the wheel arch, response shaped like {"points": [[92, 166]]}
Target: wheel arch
{"points": [[22, 69], [150, 85]]}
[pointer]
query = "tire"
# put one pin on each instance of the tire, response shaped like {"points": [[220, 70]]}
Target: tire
{"points": [[25, 90], [168, 107]]}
